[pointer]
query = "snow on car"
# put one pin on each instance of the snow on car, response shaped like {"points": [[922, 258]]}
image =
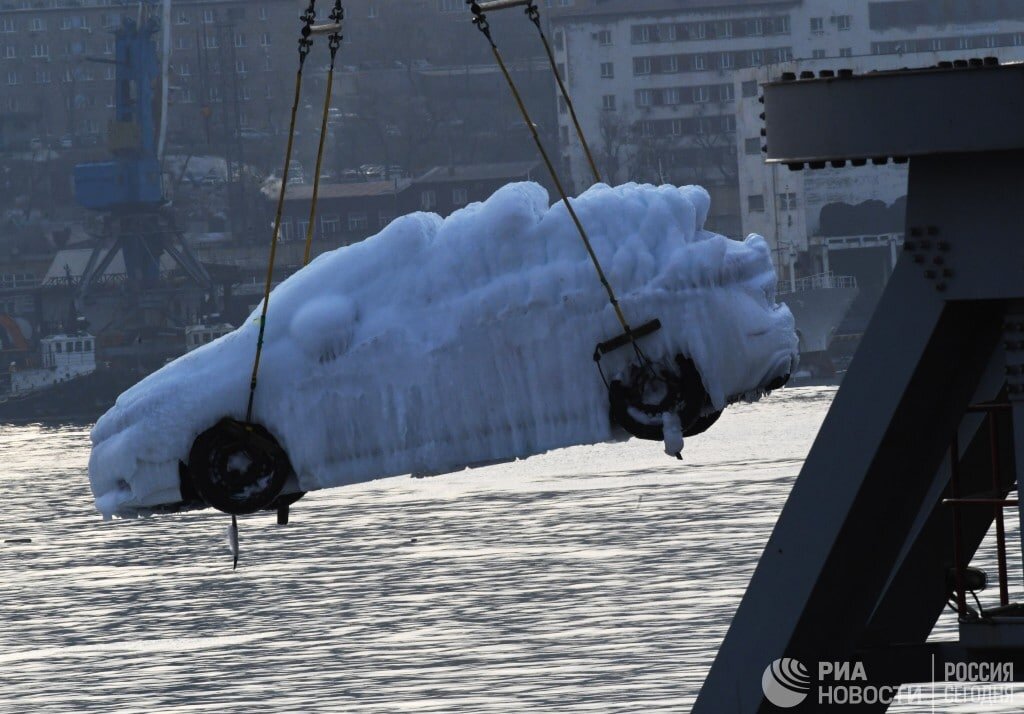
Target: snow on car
{"points": [[438, 344]]}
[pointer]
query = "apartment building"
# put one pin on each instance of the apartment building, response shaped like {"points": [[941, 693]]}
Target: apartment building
{"points": [[58, 80], [849, 220], [232, 61], [653, 83], [666, 89]]}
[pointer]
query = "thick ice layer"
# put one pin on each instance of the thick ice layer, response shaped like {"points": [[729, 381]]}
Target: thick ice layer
{"points": [[438, 344]]}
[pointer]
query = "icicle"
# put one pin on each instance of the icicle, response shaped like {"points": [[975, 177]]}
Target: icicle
{"points": [[232, 537], [673, 434]]}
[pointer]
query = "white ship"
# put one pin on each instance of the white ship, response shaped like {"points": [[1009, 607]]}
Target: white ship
{"points": [[818, 303]]}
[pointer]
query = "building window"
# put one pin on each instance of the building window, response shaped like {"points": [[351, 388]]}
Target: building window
{"points": [[641, 34], [608, 102], [183, 69], [240, 67], [460, 197], [109, 74], [726, 93], [843, 22], [261, 12], [670, 64], [756, 58], [752, 146], [749, 88], [725, 60], [180, 43], [698, 31], [384, 218], [701, 95], [7, 24], [38, 24], [699, 62], [372, 12], [604, 37], [12, 77], [755, 203], [211, 43], [607, 70], [264, 39], [641, 65], [428, 200], [787, 201], [208, 16], [845, 52], [817, 54], [330, 225], [670, 96], [817, 25], [40, 50], [240, 39], [644, 97], [182, 18]]}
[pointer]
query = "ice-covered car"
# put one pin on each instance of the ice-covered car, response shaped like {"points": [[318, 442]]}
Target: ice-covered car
{"points": [[444, 343]]}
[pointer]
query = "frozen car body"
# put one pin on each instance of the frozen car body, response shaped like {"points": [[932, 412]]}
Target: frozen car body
{"points": [[439, 344]]}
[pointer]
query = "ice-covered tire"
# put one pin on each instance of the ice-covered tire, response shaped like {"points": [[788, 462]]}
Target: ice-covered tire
{"points": [[238, 468], [686, 395]]}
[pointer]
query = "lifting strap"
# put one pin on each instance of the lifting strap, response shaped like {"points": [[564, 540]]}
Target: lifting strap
{"points": [[534, 14], [304, 44], [480, 20], [333, 42]]}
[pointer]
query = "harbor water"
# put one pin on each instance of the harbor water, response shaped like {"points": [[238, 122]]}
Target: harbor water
{"points": [[591, 579]]}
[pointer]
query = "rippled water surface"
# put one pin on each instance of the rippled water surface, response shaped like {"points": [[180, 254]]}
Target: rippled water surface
{"points": [[591, 579]]}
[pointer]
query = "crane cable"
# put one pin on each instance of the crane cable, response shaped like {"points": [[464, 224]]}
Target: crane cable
{"points": [[534, 14], [480, 20], [334, 41], [308, 17]]}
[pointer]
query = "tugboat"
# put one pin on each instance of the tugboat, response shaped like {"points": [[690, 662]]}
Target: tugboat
{"points": [[200, 334], [63, 383]]}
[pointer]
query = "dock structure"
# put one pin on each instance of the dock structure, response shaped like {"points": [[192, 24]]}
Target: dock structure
{"points": [[915, 461]]}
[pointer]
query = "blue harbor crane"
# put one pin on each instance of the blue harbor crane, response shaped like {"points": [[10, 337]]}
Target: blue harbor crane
{"points": [[128, 187]]}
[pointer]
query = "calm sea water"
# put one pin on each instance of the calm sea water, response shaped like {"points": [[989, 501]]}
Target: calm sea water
{"points": [[593, 579]]}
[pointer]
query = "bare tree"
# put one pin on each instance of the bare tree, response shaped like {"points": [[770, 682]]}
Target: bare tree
{"points": [[614, 136]]}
